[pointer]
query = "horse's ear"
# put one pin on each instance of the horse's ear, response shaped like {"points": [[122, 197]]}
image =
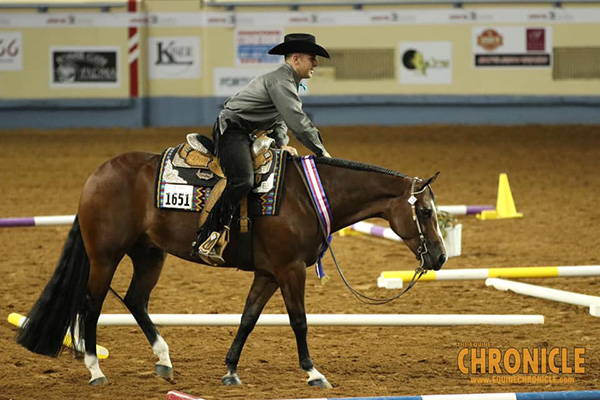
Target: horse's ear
{"points": [[429, 181]]}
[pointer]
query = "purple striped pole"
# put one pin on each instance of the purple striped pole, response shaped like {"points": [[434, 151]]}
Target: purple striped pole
{"points": [[37, 221], [15, 222], [375, 230], [465, 210]]}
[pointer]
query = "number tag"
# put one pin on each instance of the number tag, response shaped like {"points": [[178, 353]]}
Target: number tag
{"points": [[178, 196]]}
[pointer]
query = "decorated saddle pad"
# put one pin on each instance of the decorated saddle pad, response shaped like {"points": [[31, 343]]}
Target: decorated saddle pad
{"points": [[185, 180]]}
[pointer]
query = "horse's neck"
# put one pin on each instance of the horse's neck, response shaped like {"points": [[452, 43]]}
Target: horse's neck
{"points": [[355, 195]]}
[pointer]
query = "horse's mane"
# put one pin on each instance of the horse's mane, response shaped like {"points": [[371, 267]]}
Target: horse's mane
{"points": [[338, 162]]}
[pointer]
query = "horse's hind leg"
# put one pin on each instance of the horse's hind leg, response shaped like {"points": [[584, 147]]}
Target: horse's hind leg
{"points": [[147, 266], [102, 271], [261, 291]]}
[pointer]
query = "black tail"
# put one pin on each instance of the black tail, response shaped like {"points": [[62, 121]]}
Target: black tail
{"points": [[62, 299]]}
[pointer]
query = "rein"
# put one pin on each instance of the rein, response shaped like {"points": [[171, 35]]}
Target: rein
{"points": [[360, 296]]}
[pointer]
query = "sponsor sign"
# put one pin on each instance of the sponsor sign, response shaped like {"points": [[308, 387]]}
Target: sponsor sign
{"points": [[174, 57], [229, 81], [425, 63], [536, 39], [252, 45], [488, 364], [512, 46], [252, 20], [61, 20], [390, 17], [11, 51], [490, 40], [462, 16], [92, 66]]}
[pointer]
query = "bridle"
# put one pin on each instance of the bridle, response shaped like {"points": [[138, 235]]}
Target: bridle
{"points": [[421, 250]]}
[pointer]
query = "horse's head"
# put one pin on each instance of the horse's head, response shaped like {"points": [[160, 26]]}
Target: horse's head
{"points": [[415, 221]]}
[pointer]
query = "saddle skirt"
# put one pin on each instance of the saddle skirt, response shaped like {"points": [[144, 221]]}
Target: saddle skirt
{"points": [[190, 171]]}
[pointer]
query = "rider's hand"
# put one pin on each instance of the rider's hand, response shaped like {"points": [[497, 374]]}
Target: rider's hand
{"points": [[290, 150]]}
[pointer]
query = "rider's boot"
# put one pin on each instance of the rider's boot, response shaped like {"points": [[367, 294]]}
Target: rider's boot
{"points": [[211, 251]]}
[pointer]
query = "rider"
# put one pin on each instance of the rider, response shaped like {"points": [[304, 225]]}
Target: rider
{"points": [[269, 103]]}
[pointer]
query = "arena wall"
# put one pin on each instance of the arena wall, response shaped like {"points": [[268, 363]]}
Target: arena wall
{"points": [[173, 63]]}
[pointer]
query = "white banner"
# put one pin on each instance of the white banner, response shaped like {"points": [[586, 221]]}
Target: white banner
{"points": [[257, 20], [11, 51], [423, 63], [229, 81], [512, 46], [174, 57]]}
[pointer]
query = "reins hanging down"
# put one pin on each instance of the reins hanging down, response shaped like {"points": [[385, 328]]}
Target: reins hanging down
{"points": [[360, 296]]}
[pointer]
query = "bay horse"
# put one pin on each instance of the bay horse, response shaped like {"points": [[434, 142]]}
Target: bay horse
{"points": [[117, 217]]}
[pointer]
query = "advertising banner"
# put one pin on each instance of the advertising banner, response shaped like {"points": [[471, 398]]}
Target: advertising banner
{"points": [[425, 63], [11, 51], [92, 66], [252, 45], [174, 57], [229, 81], [512, 47]]}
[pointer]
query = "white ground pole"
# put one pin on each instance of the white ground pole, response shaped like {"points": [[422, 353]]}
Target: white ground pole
{"points": [[54, 220], [595, 310], [541, 292], [330, 319]]}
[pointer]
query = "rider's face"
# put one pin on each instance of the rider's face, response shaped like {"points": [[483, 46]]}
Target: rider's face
{"points": [[304, 64]]}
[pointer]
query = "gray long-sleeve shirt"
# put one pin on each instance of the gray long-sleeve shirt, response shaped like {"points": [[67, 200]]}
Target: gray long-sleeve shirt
{"points": [[271, 102]]}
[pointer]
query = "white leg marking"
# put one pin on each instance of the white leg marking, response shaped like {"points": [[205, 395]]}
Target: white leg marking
{"points": [[161, 350], [313, 374], [91, 362]]}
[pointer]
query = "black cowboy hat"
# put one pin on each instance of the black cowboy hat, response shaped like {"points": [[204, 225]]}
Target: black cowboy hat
{"points": [[299, 43]]}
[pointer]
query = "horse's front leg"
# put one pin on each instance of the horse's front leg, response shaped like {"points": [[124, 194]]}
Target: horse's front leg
{"points": [[292, 281], [261, 291]]}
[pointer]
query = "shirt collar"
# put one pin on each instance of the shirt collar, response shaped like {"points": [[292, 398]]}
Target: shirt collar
{"points": [[297, 79]]}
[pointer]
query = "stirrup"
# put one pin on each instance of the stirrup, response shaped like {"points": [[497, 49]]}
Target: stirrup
{"points": [[211, 251]]}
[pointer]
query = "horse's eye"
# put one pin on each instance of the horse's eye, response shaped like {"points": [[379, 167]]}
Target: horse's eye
{"points": [[426, 212]]}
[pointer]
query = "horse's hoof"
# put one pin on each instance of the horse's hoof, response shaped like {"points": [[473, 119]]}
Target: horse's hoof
{"points": [[321, 383], [164, 372], [231, 380], [99, 381]]}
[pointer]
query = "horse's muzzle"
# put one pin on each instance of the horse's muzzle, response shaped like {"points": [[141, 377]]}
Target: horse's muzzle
{"points": [[441, 261], [433, 262]]}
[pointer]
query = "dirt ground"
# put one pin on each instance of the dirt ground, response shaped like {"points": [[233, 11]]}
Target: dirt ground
{"points": [[555, 183]]}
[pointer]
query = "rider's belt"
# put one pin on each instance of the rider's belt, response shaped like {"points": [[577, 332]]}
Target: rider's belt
{"points": [[228, 119]]}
